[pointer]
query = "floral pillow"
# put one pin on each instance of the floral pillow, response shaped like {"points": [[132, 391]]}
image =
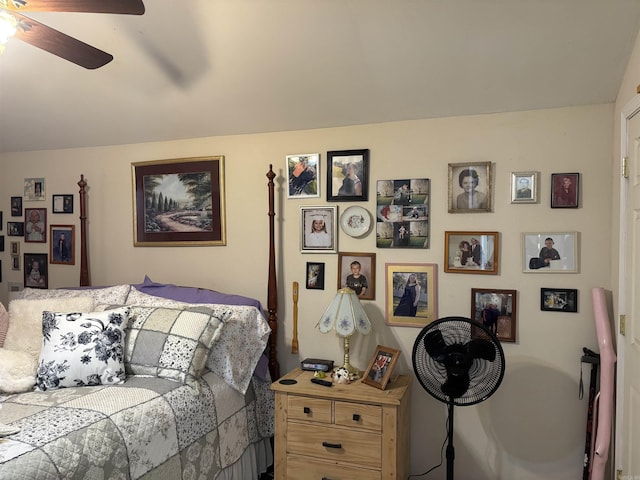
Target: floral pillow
{"points": [[82, 349]]}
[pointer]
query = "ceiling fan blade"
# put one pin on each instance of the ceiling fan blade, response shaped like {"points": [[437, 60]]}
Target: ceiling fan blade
{"points": [[59, 44], [480, 348], [456, 385], [125, 7]]}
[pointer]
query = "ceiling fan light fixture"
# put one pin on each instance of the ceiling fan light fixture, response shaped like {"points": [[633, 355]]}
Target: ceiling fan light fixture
{"points": [[8, 28]]}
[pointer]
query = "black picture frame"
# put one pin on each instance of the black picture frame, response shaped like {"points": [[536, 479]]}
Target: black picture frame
{"points": [[315, 276], [36, 272], [565, 190], [16, 206], [342, 164], [62, 203], [15, 229], [559, 300], [1, 243]]}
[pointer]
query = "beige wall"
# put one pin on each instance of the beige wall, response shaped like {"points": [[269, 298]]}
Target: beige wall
{"points": [[533, 427]]}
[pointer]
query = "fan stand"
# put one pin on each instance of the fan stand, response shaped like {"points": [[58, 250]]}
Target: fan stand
{"points": [[450, 453]]}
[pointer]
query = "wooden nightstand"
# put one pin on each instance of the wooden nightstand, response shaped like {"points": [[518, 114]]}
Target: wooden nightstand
{"points": [[343, 432]]}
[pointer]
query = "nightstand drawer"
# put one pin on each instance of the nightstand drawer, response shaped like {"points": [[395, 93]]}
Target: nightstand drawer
{"points": [[309, 409], [356, 415], [304, 468], [334, 444]]}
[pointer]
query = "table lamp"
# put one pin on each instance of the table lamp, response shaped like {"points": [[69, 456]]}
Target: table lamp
{"points": [[346, 315]]}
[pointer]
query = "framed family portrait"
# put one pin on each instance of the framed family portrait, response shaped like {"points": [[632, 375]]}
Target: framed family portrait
{"points": [[315, 276], [378, 373], [565, 190], [550, 252], [559, 300], [471, 252], [179, 202], [524, 187], [358, 272], [16, 206], [470, 187], [411, 294], [302, 175], [318, 229], [63, 244], [34, 189], [36, 270], [496, 310], [348, 176], [35, 225], [62, 204]]}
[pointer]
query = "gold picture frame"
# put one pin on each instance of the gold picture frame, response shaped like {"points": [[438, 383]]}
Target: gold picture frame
{"points": [[378, 372], [401, 306], [179, 202], [470, 187], [471, 252]]}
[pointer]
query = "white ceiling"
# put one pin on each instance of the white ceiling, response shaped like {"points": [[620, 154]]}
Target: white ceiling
{"points": [[199, 68]]}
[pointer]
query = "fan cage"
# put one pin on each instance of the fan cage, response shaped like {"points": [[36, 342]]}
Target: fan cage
{"points": [[485, 376]]}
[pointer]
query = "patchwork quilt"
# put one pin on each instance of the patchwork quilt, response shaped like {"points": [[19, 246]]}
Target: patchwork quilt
{"points": [[147, 427]]}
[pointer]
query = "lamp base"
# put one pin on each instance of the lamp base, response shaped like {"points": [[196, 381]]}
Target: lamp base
{"points": [[354, 373]]}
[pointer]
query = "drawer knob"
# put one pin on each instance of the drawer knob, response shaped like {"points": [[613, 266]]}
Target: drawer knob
{"points": [[356, 417], [331, 445], [306, 410]]}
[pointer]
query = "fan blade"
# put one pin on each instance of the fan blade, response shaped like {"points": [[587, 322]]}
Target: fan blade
{"points": [[456, 385], [125, 7], [479, 348], [434, 344], [64, 46]]}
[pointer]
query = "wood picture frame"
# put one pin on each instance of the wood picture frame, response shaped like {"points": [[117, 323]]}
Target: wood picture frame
{"points": [[524, 187], [378, 373], [63, 244], [303, 171], [497, 310], [315, 276], [16, 206], [348, 175], [559, 300], [62, 203], [471, 252], [318, 229], [35, 225], [565, 190], [34, 189], [36, 270], [550, 252], [361, 264], [470, 187], [399, 309], [179, 202]]}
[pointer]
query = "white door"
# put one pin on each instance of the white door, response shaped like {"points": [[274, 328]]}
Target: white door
{"points": [[628, 404]]}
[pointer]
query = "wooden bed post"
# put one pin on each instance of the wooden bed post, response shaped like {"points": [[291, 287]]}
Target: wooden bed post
{"points": [[84, 264], [272, 288]]}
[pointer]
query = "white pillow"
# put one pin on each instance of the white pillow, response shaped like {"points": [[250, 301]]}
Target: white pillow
{"points": [[17, 371], [82, 349], [116, 294], [25, 320]]}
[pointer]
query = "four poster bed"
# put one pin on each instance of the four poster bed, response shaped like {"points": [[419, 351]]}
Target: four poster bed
{"points": [[191, 399]]}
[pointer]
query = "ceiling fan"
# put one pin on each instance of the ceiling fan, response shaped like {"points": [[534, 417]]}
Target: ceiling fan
{"points": [[58, 43]]}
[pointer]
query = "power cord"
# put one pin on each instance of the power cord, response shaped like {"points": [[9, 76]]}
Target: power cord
{"points": [[446, 438]]}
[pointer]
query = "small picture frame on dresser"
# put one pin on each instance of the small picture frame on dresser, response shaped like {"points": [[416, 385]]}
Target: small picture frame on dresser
{"points": [[380, 367]]}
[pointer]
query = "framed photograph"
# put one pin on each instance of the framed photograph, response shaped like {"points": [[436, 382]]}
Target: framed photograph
{"points": [[411, 294], [550, 252], [378, 372], [15, 262], [496, 310], [565, 190], [35, 270], [302, 175], [34, 189], [1, 243], [1, 222], [14, 248], [35, 225], [559, 300], [358, 272], [470, 187], [402, 213], [14, 287], [179, 202], [524, 187], [318, 232], [471, 252], [16, 206], [315, 276], [62, 204], [348, 176], [15, 229], [63, 244]]}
